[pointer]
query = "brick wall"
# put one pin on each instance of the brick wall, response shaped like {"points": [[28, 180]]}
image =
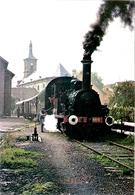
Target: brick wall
{"points": [[7, 96], [2, 83], [5, 88]]}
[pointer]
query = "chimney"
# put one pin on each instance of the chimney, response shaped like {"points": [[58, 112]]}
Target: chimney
{"points": [[86, 77]]}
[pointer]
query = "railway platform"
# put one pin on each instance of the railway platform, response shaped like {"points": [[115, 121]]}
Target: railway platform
{"points": [[11, 123]]}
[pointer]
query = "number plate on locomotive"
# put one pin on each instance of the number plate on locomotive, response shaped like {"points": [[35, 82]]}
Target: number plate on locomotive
{"points": [[97, 119]]}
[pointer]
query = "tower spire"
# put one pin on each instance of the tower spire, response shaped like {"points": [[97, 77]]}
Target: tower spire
{"points": [[30, 63], [30, 51]]}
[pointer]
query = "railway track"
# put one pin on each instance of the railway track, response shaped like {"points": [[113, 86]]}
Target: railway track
{"points": [[121, 146], [122, 156]]}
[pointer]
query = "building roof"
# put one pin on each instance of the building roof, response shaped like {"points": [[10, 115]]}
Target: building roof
{"points": [[5, 65], [11, 73], [4, 61], [60, 71]]}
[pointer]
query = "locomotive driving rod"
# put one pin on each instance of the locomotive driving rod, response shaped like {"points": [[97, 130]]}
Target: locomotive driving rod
{"points": [[86, 146]]}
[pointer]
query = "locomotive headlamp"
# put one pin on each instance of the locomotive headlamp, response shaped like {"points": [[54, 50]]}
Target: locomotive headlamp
{"points": [[109, 120], [73, 120]]}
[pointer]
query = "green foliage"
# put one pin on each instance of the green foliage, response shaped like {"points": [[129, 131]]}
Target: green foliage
{"points": [[123, 140], [126, 113], [12, 157], [106, 161], [17, 158], [8, 141], [128, 141], [127, 172], [48, 186], [123, 95], [39, 188]]}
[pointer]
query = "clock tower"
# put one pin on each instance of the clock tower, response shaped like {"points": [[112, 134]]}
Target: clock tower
{"points": [[30, 63]]}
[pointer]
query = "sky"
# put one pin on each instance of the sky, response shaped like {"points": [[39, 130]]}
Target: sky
{"points": [[57, 30]]}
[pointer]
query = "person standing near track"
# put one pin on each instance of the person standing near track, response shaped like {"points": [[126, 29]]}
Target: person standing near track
{"points": [[42, 115]]}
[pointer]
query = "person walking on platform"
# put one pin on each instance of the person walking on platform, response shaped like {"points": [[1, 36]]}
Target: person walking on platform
{"points": [[42, 115]]}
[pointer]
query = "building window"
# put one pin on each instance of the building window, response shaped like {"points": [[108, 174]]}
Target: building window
{"points": [[43, 85], [38, 87]]}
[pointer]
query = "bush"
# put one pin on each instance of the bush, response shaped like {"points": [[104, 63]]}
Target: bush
{"points": [[124, 113]]}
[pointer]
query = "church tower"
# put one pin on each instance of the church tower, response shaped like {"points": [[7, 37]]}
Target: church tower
{"points": [[30, 63]]}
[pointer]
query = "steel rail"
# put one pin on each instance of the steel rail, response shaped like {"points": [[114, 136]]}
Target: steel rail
{"points": [[121, 146], [105, 155]]}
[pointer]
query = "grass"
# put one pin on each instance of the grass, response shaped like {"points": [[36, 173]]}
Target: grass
{"points": [[17, 158], [128, 141], [13, 157], [48, 186], [39, 188]]}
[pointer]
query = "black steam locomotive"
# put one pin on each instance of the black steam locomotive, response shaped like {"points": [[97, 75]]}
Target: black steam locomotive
{"points": [[80, 113], [74, 103]]}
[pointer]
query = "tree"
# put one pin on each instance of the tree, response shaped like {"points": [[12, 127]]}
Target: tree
{"points": [[123, 95], [97, 80], [106, 14]]}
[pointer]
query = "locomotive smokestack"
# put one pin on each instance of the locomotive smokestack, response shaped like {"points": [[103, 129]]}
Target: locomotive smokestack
{"points": [[86, 80]]}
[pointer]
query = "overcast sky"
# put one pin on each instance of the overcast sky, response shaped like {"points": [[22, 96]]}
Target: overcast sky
{"points": [[57, 29]]}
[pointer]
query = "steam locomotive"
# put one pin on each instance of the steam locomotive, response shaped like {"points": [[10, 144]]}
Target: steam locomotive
{"points": [[74, 103]]}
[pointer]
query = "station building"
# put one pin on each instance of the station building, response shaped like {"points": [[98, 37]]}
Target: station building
{"points": [[5, 88]]}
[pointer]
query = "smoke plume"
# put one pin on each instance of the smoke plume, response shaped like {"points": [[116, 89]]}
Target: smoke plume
{"points": [[106, 14]]}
